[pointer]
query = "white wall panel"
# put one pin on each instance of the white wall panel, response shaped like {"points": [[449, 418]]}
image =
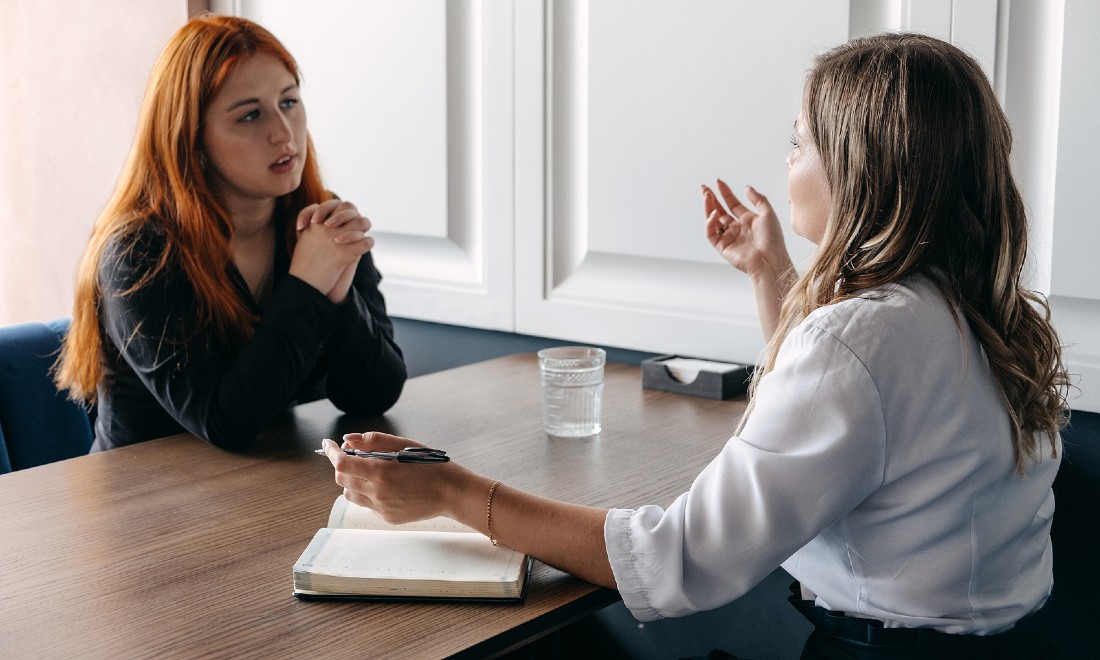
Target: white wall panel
{"points": [[643, 102], [928, 16], [969, 24], [974, 29], [376, 99], [410, 107], [1075, 268], [534, 165]]}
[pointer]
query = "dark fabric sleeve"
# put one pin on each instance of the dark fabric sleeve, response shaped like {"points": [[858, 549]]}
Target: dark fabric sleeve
{"points": [[226, 392], [366, 369]]}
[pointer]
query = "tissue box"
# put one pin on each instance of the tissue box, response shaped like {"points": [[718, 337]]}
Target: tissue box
{"points": [[705, 378]]}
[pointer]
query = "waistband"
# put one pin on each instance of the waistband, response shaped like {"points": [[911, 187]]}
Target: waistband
{"points": [[843, 637]]}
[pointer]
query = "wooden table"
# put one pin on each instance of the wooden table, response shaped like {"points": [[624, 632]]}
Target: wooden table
{"points": [[174, 548]]}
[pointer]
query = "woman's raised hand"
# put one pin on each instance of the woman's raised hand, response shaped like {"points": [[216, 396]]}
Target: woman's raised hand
{"points": [[751, 240], [332, 236]]}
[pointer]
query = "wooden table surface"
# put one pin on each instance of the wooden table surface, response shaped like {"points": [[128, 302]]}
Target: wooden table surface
{"points": [[175, 548]]}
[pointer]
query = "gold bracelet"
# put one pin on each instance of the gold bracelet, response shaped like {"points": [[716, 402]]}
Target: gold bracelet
{"points": [[489, 512]]}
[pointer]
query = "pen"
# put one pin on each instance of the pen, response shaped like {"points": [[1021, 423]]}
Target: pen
{"points": [[406, 455]]}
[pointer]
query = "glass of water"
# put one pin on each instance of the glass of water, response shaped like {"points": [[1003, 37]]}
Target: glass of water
{"points": [[572, 390]]}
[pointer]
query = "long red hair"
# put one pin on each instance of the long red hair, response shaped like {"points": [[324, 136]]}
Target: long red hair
{"points": [[163, 182]]}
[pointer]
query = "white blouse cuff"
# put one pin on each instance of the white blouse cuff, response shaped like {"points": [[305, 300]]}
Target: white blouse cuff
{"points": [[617, 539]]}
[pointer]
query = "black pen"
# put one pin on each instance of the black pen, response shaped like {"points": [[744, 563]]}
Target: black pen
{"points": [[406, 455]]}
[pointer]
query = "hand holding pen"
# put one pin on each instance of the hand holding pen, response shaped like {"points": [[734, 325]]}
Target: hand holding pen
{"points": [[406, 455]]}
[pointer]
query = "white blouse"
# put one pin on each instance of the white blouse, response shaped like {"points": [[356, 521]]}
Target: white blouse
{"points": [[877, 468]]}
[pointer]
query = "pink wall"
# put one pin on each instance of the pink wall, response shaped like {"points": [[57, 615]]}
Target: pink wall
{"points": [[72, 73]]}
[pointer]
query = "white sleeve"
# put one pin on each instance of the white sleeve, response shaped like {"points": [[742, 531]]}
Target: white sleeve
{"points": [[813, 448]]}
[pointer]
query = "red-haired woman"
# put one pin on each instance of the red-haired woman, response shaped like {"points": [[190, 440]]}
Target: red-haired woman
{"points": [[222, 282]]}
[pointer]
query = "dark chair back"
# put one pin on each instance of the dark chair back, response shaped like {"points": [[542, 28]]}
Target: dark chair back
{"points": [[38, 423], [1073, 534]]}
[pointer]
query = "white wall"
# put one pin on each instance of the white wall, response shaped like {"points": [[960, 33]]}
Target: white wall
{"points": [[533, 165], [1075, 231]]}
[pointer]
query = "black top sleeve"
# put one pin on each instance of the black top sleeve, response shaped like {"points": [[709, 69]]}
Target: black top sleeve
{"points": [[162, 378]]}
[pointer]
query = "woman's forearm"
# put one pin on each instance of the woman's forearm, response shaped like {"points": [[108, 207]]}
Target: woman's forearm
{"points": [[770, 291], [566, 536]]}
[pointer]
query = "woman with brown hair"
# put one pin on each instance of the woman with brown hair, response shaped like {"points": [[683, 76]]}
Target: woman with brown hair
{"points": [[222, 282], [903, 431]]}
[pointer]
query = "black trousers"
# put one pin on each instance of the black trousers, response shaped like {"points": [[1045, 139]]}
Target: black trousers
{"points": [[839, 637]]}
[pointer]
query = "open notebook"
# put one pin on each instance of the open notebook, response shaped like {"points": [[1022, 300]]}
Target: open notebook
{"points": [[359, 555]]}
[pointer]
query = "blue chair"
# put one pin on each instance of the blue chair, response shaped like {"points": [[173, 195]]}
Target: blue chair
{"points": [[38, 423]]}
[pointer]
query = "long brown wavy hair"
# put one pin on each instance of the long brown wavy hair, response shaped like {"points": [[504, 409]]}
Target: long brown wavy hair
{"points": [[163, 182], [915, 148]]}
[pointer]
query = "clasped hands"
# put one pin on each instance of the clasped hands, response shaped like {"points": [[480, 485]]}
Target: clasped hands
{"points": [[332, 236]]}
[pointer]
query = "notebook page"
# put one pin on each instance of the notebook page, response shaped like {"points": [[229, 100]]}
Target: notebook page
{"points": [[346, 514], [412, 555]]}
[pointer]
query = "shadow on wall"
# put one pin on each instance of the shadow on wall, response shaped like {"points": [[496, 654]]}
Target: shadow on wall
{"points": [[430, 347]]}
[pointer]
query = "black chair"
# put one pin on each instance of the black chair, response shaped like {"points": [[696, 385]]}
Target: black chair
{"points": [[1073, 534], [38, 423]]}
